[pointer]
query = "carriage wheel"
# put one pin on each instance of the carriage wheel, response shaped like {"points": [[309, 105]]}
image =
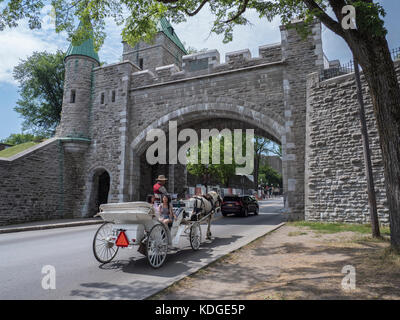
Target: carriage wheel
{"points": [[195, 236], [104, 247], [157, 246]]}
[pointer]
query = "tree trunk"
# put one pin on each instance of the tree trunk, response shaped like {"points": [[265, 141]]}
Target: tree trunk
{"points": [[367, 157], [374, 57], [256, 167]]}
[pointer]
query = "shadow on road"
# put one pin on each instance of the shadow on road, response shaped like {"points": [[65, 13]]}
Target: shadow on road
{"points": [[256, 220], [177, 263]]}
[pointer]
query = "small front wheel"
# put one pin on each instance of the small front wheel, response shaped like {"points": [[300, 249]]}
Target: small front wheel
{"points": [[195, 236], [104, 248]]}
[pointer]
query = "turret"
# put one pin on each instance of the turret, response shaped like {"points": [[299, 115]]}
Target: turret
{"points": [[75, 116], [166, 49]]}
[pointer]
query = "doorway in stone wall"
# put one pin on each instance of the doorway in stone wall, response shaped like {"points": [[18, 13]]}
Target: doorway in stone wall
{"points": [[100, 190]]}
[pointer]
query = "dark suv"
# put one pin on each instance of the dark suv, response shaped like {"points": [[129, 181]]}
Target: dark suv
{"points": [[239, 205]]}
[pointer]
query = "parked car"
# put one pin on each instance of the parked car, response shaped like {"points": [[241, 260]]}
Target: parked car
{"points": [[239, 205]]}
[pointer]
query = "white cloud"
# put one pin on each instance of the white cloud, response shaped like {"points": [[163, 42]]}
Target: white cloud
{"points": [[196, 33], [20, 42]]}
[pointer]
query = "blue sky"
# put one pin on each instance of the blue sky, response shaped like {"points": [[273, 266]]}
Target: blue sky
{"points": [[20, 42]]}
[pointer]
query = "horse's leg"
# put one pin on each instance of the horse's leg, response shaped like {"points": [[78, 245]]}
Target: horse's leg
{"points": [[209, 228]]}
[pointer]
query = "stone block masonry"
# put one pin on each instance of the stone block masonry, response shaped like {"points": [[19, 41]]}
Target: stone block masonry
{"points": [[32, 185], [335, 187]]}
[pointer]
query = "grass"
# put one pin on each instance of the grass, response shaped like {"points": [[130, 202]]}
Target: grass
{"points": [[9, 152], [338, 227]]}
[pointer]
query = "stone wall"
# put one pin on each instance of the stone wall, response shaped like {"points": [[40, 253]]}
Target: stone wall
{"points": [[336, 188], [161, 52], [32, 185]]}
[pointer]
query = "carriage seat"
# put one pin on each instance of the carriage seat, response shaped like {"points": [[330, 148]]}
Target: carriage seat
{"points": [[179, 212]]}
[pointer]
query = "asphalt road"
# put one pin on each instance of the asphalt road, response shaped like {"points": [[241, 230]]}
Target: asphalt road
{"points": [[129, 276]]}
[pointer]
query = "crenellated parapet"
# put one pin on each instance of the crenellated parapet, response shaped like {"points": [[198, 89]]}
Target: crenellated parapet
{"points": [[201, 61], [207, 64], [271, 52]]}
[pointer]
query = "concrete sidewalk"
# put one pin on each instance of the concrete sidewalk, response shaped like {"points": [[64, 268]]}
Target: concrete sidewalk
{"points": [[49, 224]]}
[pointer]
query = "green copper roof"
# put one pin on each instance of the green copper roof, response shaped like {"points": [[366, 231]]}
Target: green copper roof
{"points": [[85, 49], [164, 26]]}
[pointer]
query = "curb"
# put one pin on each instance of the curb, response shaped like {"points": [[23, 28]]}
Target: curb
{"points": [[58, 225], [214, 261], [50, 226]]}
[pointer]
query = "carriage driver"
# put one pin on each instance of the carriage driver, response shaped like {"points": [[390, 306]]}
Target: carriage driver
{"points": [[159, 188]]}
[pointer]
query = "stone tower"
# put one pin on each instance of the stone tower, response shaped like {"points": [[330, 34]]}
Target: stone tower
{"points": [[78, 87], [166, 49]]}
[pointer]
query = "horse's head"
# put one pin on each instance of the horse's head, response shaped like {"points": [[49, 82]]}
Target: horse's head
{"points": [[217, 200]]}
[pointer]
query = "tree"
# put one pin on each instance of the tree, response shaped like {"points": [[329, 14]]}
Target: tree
{"points": [[41, 82], [270, 176], [18, 138], [261, 146], [221, 172], [367, 41]]}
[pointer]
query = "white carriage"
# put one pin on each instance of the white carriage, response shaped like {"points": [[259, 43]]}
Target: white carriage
{"points": [[136, 223]]}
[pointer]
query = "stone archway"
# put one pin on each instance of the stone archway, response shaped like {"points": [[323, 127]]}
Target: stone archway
{"points": [[99, 185], [246, 112], [186, 117]]}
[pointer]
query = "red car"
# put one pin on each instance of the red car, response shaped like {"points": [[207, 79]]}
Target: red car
{"points": [[239, 205]]}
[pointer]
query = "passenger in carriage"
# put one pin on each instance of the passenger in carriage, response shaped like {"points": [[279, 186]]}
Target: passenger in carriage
{"points": [[166, 212], [152, 200]]}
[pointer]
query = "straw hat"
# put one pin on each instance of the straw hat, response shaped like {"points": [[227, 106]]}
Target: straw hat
{"points": [[161, 178]]}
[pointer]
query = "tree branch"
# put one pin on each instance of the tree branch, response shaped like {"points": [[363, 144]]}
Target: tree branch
{"points": [[168, 1], [239, 13], [191, 14], [324, 17]]}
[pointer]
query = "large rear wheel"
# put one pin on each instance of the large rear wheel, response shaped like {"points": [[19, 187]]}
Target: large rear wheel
{"points": [[157, 245], [104, 248]]}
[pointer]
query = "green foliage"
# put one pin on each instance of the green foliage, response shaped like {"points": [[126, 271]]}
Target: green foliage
{"points": [[269, 176], [369, 18], [140, 17], [41, 82], [18, 138], [338, 227], [221, 172]]}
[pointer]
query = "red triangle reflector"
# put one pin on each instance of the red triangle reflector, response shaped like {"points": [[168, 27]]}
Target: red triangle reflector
{"points": [[122, 240]]}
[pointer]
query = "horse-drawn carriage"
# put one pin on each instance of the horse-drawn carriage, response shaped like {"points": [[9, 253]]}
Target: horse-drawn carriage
{"points": [[136, 224]]}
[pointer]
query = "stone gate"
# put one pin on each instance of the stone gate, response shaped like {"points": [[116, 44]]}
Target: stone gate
{"points": [[108, 110]]}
